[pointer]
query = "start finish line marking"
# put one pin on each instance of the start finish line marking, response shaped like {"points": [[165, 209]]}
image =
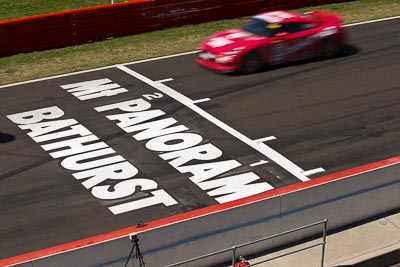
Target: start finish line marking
{"points": [[260, 147]]}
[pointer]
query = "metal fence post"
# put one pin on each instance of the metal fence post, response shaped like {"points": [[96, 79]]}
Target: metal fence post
{"points": [[233, 256], [324, 242]]}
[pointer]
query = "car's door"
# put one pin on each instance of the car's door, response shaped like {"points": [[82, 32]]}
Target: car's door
{"points": [[279, 44], [301, 39]]}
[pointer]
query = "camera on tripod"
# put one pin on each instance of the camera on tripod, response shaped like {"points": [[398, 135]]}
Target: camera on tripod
{"points": [[135, 248], [133, 237]]}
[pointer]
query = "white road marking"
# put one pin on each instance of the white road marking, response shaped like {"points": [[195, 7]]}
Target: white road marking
{"points": [[201, 100], [160, 58], [313, 171], [97, 69], [260, 147], [261, 162], [164, 80], [265, 139], [370, 21]]}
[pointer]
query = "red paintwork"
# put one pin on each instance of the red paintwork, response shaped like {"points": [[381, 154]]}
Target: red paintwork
{"points": [[298, 45]]}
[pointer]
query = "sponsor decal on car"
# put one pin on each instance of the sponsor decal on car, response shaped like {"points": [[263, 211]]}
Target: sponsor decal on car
{"points": [[273, 26], [219, 41]]}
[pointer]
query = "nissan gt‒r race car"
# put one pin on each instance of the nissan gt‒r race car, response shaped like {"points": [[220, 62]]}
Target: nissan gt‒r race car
{"points": [[272, 38]]}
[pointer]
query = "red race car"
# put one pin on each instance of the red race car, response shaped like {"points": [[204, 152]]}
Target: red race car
{"points": [[272, 38]]}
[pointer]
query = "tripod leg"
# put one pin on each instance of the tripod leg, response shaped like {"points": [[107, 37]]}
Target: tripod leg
{"points": [[130, 255]]}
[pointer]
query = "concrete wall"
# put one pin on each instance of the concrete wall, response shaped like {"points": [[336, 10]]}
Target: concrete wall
{"points": [[341, 200], [98, 23]]}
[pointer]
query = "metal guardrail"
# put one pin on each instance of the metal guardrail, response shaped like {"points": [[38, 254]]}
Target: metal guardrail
{"points": [[234, 248]]}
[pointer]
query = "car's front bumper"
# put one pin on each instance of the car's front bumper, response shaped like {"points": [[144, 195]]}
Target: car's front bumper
{"points": [[210, 63]]}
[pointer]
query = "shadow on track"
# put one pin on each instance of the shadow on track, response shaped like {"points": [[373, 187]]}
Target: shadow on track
{"points": [[6, 138], [345, 51]]}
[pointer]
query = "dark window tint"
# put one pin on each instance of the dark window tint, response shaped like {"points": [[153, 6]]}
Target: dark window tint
{"points": [[258, 26], [261, 27], [293, 27]]}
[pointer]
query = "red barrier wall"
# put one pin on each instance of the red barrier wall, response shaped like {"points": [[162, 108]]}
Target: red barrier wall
{"points": [[97, 23]]}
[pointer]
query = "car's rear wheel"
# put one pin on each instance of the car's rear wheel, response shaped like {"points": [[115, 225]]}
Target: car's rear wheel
{"points": [[328, 48], [251, 63]]}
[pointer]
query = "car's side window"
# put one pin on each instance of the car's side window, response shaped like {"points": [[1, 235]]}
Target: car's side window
{"points": [[293, 27], [307, 25]]}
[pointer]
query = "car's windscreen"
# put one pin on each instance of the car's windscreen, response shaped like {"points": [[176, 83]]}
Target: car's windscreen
{"points": [[260, 27]]}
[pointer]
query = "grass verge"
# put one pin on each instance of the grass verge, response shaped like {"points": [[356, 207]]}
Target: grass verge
{"points": [[158, 43]]}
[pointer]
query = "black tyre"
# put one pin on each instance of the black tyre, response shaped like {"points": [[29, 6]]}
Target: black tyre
{"points": [[328, 48], [251, 63]]}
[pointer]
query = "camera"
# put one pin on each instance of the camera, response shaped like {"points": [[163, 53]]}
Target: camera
{"points": [[133, 237]]}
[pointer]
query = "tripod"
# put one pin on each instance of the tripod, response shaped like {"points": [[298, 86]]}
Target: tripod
{"points": [[135, 242]]}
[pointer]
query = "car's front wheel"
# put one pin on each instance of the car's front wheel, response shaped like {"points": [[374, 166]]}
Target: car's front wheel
{"points": [[251, 63]]}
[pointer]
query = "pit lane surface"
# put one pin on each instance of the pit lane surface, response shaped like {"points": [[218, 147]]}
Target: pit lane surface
{"points": [[334, 114]]}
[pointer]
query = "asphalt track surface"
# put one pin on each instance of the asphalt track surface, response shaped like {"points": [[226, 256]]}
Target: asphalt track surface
{"points": [[334, 114]]}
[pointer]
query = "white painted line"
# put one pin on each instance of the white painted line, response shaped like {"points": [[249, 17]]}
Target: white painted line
{"points": [[97, 69], [265, 139], [165, 80], [260, 147], [313, 171], [55, 77], [201, 100], [261, 162], [370, 21], [159, 58]]}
